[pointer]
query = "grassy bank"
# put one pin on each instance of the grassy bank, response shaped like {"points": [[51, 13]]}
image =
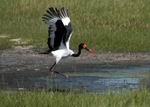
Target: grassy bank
{"points": [[49, 99], [110, 25]]}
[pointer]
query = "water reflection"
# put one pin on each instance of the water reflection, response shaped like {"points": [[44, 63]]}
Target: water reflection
{"points": [[92, 80]]}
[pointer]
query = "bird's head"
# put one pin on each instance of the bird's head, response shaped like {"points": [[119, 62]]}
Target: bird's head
{"points": [[84, 46]]}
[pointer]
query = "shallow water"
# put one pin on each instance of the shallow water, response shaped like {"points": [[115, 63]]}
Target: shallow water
{"points": [[91, 78]]}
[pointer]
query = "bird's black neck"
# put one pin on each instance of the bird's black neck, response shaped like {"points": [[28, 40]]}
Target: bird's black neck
{"points": [[78, 53]]}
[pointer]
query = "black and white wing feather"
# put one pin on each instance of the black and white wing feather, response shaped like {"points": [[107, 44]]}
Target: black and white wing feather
{"points": [[59, 28]]}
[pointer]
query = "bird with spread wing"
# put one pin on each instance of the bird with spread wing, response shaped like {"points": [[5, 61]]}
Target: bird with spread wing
{"points": [[59, 35]]}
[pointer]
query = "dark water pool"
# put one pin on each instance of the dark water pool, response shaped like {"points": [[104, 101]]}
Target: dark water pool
{"points": [[91, 78]]}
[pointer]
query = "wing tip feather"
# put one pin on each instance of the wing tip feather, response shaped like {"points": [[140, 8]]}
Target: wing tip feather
{"points": [[53, 12]]}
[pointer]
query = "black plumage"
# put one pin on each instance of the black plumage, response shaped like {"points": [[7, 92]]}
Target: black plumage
{"points": [[58, 31]]}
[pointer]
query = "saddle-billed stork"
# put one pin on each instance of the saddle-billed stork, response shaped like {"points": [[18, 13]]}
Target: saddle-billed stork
{"points": [[59, 34]]}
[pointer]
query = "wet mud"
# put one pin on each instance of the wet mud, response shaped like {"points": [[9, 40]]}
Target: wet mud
{"points": [[25, 69]]}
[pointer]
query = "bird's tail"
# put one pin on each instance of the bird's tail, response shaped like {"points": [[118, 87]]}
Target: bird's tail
{"points": [[52, 13]]}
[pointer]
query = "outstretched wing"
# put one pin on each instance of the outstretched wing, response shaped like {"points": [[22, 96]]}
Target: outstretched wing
{"points": [[59, 28]]}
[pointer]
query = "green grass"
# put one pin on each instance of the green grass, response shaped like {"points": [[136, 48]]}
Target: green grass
{"points": [[140, 98], [5, 43], [108, 25]]}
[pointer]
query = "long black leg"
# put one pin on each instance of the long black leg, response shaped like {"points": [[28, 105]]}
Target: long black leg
{"points": [[66, 76], [51, 70]]}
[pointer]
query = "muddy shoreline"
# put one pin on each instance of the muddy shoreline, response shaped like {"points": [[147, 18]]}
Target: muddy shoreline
{"points": [[19, 59], [25, 69]]}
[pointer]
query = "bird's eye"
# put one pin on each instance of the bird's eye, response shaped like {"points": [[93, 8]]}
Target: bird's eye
{"points": [[84, 46]]}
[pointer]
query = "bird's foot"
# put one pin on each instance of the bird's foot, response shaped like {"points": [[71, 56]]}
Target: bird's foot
{"points": [[64, 75]]}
